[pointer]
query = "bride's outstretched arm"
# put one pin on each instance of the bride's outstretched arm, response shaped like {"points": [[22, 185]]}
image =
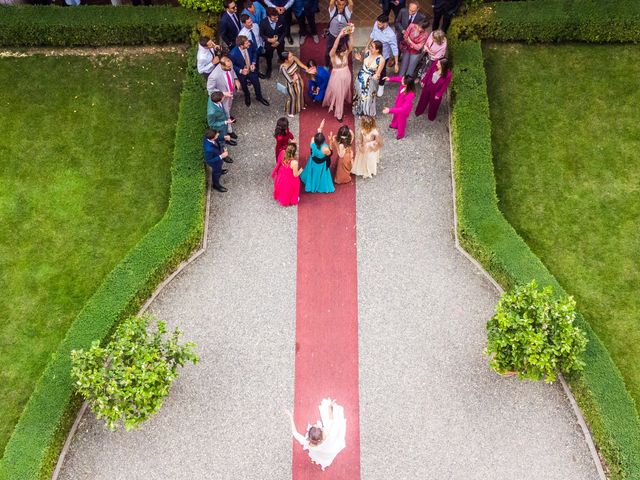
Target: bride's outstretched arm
{"points": [[294, 431]]}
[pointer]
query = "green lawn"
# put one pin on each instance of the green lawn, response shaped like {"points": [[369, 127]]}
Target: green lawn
{"points": [[566, 138], [85, 155]]}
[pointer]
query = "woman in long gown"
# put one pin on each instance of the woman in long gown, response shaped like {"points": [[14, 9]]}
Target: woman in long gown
{"points": [[295, 93], [342, 145], [339, 88], [286, 188], [326, 438], [367, 80], [282, 135], [368, 148], [316, 175]]}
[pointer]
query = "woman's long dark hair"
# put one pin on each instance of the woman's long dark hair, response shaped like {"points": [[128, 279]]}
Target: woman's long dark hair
{"points": [[318, 139], [378, 45], [409, 83], [344, 136], [282, 126], [446, 66]]}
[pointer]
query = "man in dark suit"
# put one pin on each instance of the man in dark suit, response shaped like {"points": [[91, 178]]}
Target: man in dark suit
{"points": [[272, 32], [444, 10], [229, 24], [244, 59], [307, 20], [407, 16], [392, 5], [285, 10], [213, 156]]}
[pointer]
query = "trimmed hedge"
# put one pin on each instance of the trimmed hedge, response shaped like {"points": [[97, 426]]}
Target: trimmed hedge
{"points": [[597, 21], [31, 26], [486, 234], [35, 444]]}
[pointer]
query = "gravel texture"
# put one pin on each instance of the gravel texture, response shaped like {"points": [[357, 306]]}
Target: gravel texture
{"points": [[224, 418], [430, 407]]}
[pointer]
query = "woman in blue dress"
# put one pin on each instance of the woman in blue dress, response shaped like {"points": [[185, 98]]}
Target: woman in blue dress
{"points": [[316, 174], [317, 85]]}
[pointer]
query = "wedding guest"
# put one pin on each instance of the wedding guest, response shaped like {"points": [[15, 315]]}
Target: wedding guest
{"points": [[252, 32], [367, 79], [414, 41], [286, 14], [392, 5], [403, 104], [340, 82], [386, 36], [286, 175], [368, 148], [340, 12], [342, 145], [316, 175], [326, 438], [229, 24], [213, 156], [225, 80], [436, 46], [307, 20], [317, 84], [434, 86], [206, 58], [255, 10], [444, 10], [272, 32], [295, 93], [282, 135], [244, 58], [218, 120], [408, 16]]}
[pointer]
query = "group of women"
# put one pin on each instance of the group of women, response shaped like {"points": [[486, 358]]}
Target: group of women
{"points": [[334, 90]]}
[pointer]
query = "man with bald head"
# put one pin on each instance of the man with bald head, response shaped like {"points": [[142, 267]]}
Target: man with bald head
{"points": [[225, 80]]}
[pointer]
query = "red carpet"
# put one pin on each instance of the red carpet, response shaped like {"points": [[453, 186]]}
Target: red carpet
{"points": [[326, 362]]}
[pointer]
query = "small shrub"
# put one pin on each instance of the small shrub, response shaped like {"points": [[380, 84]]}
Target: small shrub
{"points": [[215, 6], [534, 334], [129, 379]]}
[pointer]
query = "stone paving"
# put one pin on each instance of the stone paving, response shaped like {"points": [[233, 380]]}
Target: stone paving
{"points": [[430, 408]]}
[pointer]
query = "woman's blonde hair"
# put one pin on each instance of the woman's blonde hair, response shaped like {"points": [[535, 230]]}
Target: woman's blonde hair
{"points": [[367, 123], [438, 36]]}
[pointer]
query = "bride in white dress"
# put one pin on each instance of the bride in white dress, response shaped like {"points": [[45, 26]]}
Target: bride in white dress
{"points": [[326, 438]]}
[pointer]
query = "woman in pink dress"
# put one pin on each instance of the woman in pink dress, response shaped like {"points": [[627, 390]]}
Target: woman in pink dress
{"points": [[403, 104], [339, 88], [434, 86], [286, 188]]}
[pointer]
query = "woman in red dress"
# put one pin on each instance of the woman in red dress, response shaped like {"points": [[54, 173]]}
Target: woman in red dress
{"points": [[283, 136]]}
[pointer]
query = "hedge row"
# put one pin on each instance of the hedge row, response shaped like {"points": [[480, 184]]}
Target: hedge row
{"points": [[30, 26], [37, 439], [486, 234], [598, 21]]}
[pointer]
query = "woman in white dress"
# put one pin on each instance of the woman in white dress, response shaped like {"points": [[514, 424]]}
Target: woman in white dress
{"points": [[326, 438], [368, 148]]}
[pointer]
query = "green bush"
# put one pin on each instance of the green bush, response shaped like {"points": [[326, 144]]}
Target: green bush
{"points": [[484, 232], [31, 26], [533, 334], [35, 444], [610, 21], [128, 379], [214, 6]]}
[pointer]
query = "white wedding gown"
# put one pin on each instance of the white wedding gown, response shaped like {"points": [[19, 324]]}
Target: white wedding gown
{"points": [[334, 432]]}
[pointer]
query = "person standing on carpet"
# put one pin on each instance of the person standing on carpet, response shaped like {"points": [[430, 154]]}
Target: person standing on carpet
{"points": [[286, 188], [368, 148], [367, 79], [307, 20], [434, 86], [340, 12], [403, 104], [342, 145], [317, 84], [340, 81], [295, 93], [327, 437], [316, 175], [283, 136]]}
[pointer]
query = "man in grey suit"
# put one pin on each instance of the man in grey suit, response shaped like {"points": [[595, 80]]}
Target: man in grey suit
{"points": [[225, 80], [407, 16]]}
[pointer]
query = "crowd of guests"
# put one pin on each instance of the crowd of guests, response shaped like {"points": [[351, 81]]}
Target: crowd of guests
{"points": [[411, 52]]}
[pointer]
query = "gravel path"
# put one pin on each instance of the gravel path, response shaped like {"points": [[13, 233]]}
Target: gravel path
{"points": [[429, 405]]}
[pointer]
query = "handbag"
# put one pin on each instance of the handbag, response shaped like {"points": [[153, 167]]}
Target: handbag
{"points": [[281, 88]]}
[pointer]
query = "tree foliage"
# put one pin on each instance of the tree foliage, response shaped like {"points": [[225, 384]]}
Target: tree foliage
{"points": [[129, 378]]}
